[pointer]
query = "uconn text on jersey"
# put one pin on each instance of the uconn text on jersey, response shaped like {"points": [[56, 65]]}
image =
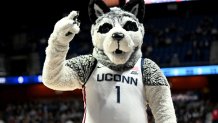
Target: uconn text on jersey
{"points": [[108, 77]]}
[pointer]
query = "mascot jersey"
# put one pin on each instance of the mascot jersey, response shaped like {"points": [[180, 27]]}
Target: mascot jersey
{"points": [[120, 96]]}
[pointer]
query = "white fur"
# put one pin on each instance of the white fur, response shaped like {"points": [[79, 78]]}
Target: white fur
{"points": [[55, 74], [105, 42], [58, 76], [98, 10]]}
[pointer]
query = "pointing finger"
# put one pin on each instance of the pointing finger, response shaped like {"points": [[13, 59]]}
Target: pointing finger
{"points": [[73, 15]]}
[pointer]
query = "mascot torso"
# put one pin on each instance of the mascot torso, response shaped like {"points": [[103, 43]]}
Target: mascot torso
{"points": [[120, 94]]}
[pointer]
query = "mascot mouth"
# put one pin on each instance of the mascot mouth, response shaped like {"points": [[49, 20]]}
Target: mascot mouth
{"points": [[117, 51]]}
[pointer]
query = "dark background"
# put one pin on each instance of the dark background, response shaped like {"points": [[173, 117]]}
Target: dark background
{"points": [[25, 27]]}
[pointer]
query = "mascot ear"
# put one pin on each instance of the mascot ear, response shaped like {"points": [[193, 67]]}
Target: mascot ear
{"points": [[136, 7], [122, 3], [96, 9]]}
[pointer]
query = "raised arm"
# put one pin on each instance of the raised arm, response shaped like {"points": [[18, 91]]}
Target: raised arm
{"points": [[158, 93], [59, 73]]}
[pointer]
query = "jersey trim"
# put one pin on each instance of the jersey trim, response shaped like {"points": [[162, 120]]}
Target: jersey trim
{"points": [[84, 100], [92, 69], [142, 68]]}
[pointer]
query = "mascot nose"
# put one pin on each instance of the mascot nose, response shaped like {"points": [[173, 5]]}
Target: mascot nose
{"points": [[117, 36]]}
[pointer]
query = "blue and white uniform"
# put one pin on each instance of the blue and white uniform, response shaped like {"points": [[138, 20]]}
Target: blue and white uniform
{"points": [[115, 97]]}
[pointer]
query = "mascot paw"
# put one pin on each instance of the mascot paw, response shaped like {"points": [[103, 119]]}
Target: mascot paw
{"points": [[66, 28]]}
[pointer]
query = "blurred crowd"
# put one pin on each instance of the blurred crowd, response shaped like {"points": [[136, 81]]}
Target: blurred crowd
{"points": [[179, 41], [189, 109], [169, 41], [43, 111]]}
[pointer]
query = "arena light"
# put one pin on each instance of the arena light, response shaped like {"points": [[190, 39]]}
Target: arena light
{"points": [[12, 80], [20, 79], [39, 78], [2, 80], [168, 72], [190, 71], [162, 1]]}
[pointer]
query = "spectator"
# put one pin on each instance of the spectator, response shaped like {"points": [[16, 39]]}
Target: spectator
{"points": [[215, 114], [1, 118], [175, 60]]}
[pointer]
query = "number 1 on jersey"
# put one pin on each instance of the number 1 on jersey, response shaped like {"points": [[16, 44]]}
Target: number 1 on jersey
{"points": [[118, 94]]}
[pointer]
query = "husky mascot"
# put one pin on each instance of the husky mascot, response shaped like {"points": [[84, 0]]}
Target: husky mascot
{"points": [[117, 84]]}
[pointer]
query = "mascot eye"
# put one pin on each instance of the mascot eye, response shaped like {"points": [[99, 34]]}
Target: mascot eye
{"points": [[105, 28], [130, 26]]}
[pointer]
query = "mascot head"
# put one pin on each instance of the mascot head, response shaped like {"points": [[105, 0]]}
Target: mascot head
{"points": [[117, 32]]}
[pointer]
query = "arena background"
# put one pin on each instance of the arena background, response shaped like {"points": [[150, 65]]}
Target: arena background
{"points": [[181, 37]]}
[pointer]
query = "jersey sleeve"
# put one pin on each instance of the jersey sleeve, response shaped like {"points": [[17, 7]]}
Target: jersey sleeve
{"points": [[158, 93], [61, 74], [83, 65]]}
